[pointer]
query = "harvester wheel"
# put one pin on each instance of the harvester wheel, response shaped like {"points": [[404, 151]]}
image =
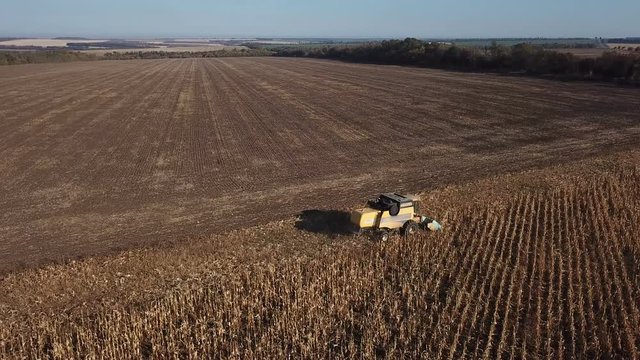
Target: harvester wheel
{"points": [[410, 228], [384, 235]]}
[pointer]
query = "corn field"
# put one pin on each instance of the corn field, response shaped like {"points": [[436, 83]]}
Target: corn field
{"points": [[553, 274]]}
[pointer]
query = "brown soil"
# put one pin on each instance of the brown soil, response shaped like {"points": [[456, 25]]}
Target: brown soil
{"points": [[103, 156]]}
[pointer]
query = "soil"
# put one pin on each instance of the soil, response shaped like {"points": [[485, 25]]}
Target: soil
{"points": [[99, 157]]}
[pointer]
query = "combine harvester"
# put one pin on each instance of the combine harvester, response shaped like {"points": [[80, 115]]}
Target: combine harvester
{"points": [[391, 213]]}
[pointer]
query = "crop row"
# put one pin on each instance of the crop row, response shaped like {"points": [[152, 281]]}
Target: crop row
{"points": [[554, 274]]}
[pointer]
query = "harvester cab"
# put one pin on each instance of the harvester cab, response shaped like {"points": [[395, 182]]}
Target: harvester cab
{"points": [[390, 213]]}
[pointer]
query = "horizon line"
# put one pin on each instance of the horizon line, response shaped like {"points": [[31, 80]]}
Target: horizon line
{"points": [[215, 37]]}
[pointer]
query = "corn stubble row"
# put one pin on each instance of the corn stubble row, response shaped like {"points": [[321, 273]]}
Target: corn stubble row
{"points": [[553, 274]]}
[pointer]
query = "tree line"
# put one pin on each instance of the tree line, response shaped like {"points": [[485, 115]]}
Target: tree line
{"points": [[36, 57], [521, 58], [130, 55], [53, 56]]}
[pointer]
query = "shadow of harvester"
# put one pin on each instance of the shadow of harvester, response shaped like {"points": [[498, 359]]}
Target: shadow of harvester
{"points": [[328, 222]]}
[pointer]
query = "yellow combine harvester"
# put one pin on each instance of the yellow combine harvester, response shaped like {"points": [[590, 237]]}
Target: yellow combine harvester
{"points": [[391, 213]]}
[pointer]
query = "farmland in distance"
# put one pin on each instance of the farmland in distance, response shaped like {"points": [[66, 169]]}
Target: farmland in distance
{"points": [[99, 157]]}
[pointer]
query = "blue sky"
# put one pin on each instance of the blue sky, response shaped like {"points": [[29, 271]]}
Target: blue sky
{"points": [[326, 18]]}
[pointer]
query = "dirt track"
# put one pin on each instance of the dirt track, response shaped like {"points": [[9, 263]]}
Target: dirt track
{"points": [[101, 156]]}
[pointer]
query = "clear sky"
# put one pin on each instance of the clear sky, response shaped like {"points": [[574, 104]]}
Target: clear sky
{"points": [[320, 18]]}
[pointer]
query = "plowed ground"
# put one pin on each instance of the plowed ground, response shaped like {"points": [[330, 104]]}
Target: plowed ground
{"points": [[96, 157]]}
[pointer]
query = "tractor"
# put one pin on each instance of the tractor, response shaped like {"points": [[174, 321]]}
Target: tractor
{"points": [[391, 213]]}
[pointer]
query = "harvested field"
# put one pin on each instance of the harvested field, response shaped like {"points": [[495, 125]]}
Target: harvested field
{"points": [[46, 42], [190, 48], [102, 156], [624, 45], [586, 53], [547, 267]]}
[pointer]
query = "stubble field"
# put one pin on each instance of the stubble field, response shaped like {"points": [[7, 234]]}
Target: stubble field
{"points": [[102, 156]]}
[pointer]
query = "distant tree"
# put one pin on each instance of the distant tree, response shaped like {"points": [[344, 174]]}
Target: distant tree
{"points": [[521, 57], [500, 55], [561, 63], [452, 56], [615, 66], [585, 67]]}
